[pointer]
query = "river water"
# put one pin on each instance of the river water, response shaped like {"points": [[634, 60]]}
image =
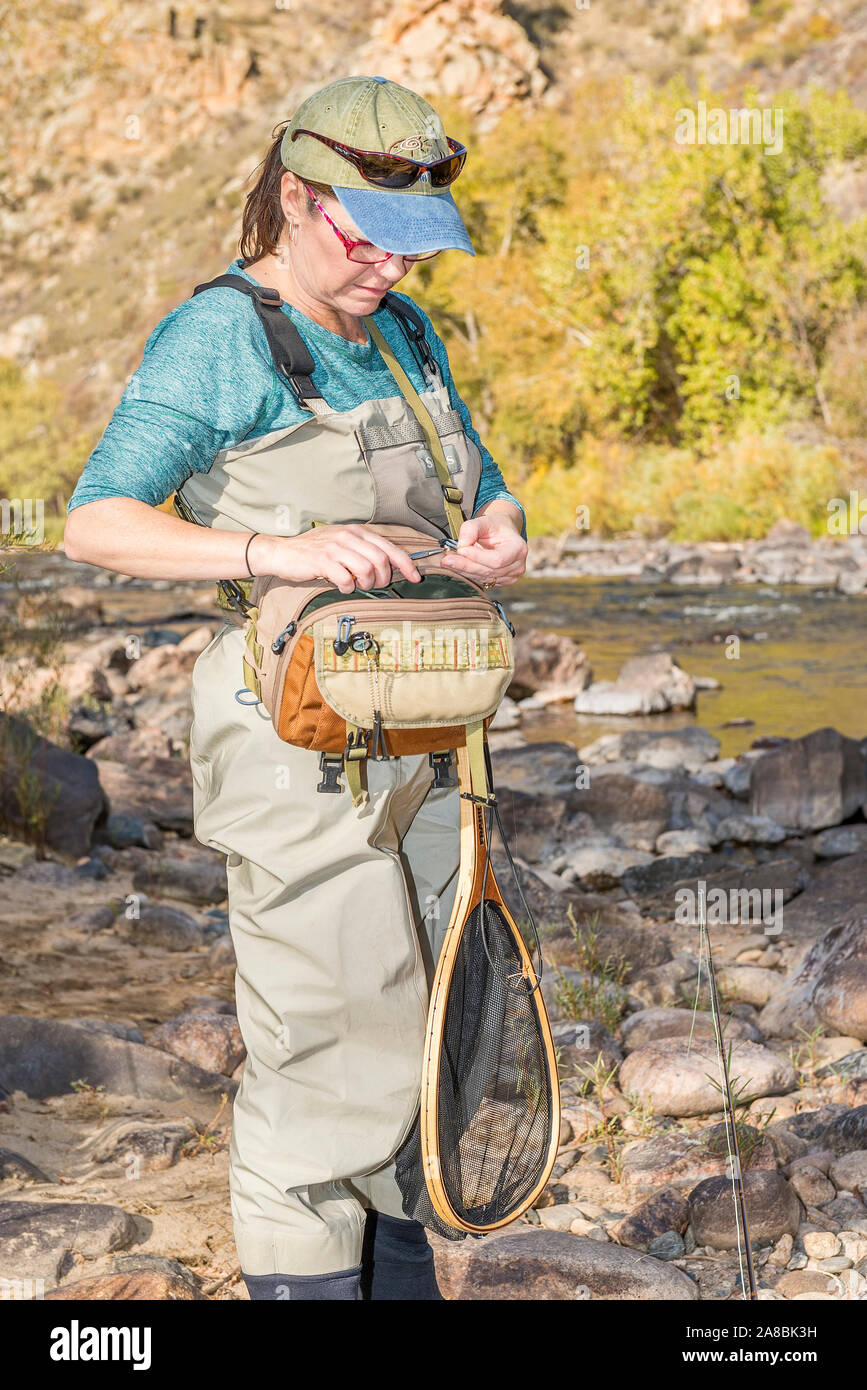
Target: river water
{"points": [[800, 663]]}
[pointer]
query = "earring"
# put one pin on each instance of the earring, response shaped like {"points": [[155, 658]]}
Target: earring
{"points": [[283, 251]]}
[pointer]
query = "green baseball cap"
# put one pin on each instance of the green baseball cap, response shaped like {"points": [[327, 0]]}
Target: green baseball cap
{"points": [[374, 113]]}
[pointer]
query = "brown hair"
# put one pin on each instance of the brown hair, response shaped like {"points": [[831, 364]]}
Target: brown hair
{"points": [[263, 220]]}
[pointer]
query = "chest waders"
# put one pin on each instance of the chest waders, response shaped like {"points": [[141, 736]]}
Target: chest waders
{"points": [[337, 913], [348, 1007]]}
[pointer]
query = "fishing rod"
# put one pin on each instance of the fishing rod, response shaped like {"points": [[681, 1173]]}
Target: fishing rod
{"points": [[734, 1148]]}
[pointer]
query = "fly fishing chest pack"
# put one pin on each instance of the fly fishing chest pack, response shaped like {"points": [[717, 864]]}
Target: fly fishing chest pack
{"points": [[413, 668], [416, 667]]}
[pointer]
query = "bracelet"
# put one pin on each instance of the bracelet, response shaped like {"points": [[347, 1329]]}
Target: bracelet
{"points": [[246, 550]]}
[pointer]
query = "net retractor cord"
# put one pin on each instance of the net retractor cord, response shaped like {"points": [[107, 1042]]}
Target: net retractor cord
{"points": [[493, 814]]}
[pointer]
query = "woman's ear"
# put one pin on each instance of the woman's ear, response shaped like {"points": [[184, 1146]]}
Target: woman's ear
{"points": [[292, 196]]}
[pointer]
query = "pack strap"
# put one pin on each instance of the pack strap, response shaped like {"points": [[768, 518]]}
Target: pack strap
{"points": [[452, 496], [354, 765], [292, 359], [480, 788]]}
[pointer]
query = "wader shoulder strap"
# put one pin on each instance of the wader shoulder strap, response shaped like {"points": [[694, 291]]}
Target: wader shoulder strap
{"points": [[412, 326], [288, 349], [452, 496]]}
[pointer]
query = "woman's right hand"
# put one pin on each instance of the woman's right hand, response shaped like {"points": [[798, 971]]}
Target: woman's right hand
{"points": [[351, 556]]}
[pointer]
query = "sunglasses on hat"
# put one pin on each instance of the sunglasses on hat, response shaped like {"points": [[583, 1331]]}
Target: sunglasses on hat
{"points": [[393, 170]]}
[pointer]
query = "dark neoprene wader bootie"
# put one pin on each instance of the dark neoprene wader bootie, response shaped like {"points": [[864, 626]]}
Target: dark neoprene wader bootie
{"points": [[342, 1286], [397, 1261]]}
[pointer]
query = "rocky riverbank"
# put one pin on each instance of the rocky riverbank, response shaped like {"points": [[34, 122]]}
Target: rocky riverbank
{"points": [[120, 1051], [787, 555]]}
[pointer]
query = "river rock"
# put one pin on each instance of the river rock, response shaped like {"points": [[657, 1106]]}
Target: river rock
{"points": [[539, 1265], [741, 895], [773, 1209], [583, 1045], [850, 1172], [221, 956], [13, 1165], [653, 879], [632, 812], [39, 1239], [680, 1161], [564, 990], [664, 984], [508, 716], [164, 669], [66, 786], [645, 685], [42, 1057], [840, 994], [197, 878], [110, 1027], [839, 841], [545, 659], [598, 867], [796, 1283], [847, 1132], [810, 783], [838, 963], [537, 769], [211, 1004], [166, 927], [812, 1186], [751, 984], [652, 1025], [676, 750], [683, 842], [663, 1211], [137, 747], [159, 790], [140, 1286], [535, 825], [143, 1147], [210, 1041], [673, 1077], [748, 830], [122, 830]]}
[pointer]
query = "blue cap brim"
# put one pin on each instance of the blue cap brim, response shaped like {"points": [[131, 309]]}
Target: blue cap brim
{"points": [[406, 223]]}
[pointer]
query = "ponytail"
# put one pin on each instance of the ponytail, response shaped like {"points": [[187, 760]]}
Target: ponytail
{"points": [[263, 221]]}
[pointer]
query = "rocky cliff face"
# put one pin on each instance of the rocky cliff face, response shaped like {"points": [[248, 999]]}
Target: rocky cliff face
{"points": [[133, 127]]}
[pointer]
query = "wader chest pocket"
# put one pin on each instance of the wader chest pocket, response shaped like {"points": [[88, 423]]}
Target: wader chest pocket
{"points": [[403, 472]]}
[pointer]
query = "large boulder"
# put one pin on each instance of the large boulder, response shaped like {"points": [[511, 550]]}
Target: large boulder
{"points": [[42, 1057], [545, 659], [39, 1240], [47, 793], [828, 987], [773, 1209], [538, 1265], [675, 1078], [810, 783], [646, 685]]}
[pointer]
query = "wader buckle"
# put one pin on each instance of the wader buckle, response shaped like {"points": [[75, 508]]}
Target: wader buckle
{"points": [[331, 766], [441, 764], [357, 745]]}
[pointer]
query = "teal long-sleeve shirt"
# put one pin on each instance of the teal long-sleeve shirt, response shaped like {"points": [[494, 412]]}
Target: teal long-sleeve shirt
{"points": [[206, 381]]}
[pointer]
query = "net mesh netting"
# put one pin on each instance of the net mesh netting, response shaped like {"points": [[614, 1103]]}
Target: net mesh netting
{"points": [[494, 1110]]}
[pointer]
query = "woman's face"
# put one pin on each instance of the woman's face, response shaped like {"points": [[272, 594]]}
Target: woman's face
{"points": [[319, 261]]}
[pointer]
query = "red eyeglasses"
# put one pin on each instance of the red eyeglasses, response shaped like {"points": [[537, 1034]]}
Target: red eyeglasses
{"points": [[393, 170], [359, 250]]}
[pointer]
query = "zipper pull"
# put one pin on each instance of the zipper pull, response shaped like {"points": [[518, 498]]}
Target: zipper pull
{"points": [[341, 641], [281, 639], [377, 743], [502, 612]]}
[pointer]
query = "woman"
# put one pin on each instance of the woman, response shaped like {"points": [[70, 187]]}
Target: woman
{"points": [[336, 917]]}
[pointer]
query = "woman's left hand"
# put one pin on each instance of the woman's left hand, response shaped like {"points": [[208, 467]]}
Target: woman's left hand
{"points": [[490, 550]]}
